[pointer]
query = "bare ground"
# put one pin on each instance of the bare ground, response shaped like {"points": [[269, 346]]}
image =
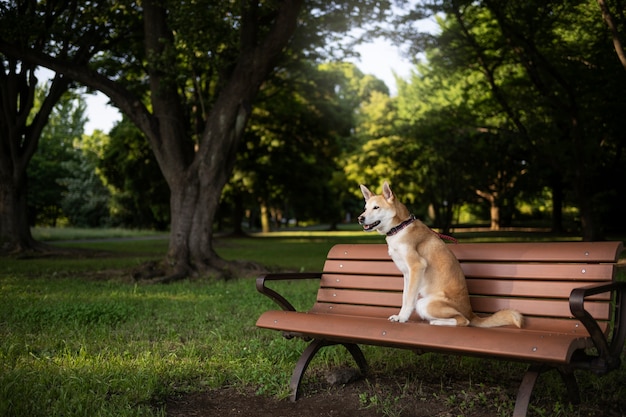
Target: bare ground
{"points": [[374, 397]]}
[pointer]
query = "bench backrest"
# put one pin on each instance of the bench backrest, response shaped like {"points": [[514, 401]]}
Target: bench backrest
{"points": [[533, 278]]}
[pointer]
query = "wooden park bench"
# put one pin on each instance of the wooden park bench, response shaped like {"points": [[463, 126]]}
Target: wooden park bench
{"points": [[575, 311]]}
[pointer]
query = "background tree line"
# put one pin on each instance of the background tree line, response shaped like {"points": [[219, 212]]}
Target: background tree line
{"points": [[510, 105]]}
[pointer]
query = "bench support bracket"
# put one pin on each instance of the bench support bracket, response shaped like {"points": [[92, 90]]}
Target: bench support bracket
{"points": [[310, 352], [528, 384]]}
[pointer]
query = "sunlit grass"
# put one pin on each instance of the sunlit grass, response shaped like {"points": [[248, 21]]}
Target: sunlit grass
{"points": [[75, 233]]}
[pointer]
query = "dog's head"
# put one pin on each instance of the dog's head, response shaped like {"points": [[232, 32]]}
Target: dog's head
{"points": [[381, 211]]}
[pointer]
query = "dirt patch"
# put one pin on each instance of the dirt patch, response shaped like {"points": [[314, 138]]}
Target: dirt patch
{"points": [[375, 397], [344, 401]]}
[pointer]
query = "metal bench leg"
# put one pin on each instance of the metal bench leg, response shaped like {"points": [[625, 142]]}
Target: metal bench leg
{"points": [[526, 389], [310, 352], [358, 357], [570, 383], [302, 364], [528, 384]]}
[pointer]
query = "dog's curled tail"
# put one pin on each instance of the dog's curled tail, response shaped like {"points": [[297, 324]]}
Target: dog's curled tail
{"points": [[499, 318]]}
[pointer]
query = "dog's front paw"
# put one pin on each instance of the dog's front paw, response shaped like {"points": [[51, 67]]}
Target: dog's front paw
{"points": [[398, 318]]}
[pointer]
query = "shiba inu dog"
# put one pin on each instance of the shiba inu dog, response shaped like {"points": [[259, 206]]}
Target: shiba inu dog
{"points": [[434, 284]]}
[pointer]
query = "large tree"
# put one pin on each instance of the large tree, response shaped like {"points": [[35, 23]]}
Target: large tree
{"points": [[186, 75]]}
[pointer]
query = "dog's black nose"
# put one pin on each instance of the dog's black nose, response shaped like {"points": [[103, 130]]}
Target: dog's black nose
{"points": [[361, 219]]}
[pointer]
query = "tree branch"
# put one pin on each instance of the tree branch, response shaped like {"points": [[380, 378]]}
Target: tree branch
{"points": [[126, 101], [617, 44]]}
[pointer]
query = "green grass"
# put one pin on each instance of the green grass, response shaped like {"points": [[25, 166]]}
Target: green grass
{"points": [[73, 233], [78, 338]]}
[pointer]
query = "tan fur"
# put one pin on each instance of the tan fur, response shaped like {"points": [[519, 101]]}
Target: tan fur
{"points": [[434, 284]]}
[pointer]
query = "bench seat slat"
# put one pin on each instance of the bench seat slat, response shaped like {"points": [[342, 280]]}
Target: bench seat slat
{"points": [[562, 325], [506, 342], [497, 252]]}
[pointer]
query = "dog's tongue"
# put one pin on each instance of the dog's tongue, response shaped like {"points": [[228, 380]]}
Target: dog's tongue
{"points": [[369, 227]]}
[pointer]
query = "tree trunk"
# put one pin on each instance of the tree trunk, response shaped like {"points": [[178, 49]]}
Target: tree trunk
{"points": [[557, 206], [19, 137], [238, 214], [494, 208], [265, 218], [617, 42], [15, 233], [589, 228]]}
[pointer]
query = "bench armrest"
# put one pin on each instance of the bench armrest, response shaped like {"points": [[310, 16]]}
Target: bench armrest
{"points": [[609, 351], [277, 298]]}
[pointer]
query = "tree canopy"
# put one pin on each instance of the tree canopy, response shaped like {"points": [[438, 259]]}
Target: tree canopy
{"points": [[241, 106]]}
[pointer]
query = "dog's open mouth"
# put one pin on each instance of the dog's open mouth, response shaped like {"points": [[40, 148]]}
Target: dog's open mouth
{"points": [[369, 227]]}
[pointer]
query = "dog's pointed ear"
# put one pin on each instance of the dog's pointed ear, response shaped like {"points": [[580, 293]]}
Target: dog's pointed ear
{"points": [[387, 193], [366, 193]]}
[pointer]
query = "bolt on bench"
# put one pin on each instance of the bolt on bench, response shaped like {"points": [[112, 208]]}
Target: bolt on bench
{"points": [[574, 309]]}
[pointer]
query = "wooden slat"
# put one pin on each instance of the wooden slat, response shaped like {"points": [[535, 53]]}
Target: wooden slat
{"points": [[565, 325], [536, 307], [384, 283], [385, 267], [526, 306], [374, 298], [586, 272], [356, 310], [527, 288], [562, 325], [539, 251], [476, 286], [376, 251], [505, 342], [501, 252]]}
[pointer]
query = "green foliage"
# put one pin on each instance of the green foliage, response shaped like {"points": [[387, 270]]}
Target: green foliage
{"points": [[52, 161], [63, 182], [139, 193], [298, 134], [86, 199]]}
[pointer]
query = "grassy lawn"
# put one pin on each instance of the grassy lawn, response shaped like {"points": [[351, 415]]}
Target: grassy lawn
{"points": [[79, 338]]}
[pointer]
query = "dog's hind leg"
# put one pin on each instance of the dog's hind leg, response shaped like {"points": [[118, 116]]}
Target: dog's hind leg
{"points": [[440, 313]]}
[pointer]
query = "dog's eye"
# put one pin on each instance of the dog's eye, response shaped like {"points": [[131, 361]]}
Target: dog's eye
{"points": [[375, 207]]}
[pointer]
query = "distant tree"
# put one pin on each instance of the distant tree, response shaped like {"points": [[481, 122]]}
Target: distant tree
{"points": [[86, 200], [56, 146], [139, 193]]}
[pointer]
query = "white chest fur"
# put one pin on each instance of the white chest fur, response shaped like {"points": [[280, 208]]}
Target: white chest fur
{"points": [[398, 255]]}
